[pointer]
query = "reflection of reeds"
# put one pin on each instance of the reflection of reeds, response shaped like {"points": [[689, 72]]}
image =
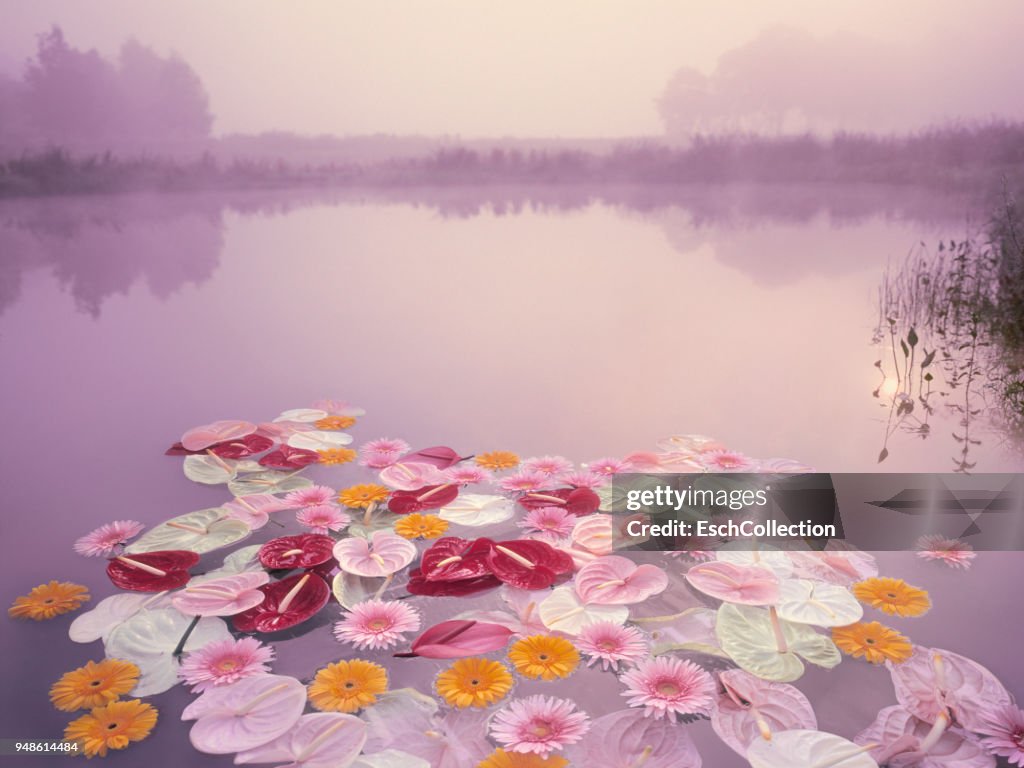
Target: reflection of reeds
{"points": [[965, 301]]}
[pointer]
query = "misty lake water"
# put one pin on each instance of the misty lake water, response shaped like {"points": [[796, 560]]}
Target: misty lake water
{"points": [[564, 322]]}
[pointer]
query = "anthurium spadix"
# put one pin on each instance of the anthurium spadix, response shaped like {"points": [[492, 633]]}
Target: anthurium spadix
{"points": [[902, 739], [564, 611], [225, 596], [476, 509], [627, 739], [246, 714], [750, 708], [201, 531], [319, 740], [733, 583], [149, 639], [808, 749], [769, 647], [615, 580], [812, 602]]}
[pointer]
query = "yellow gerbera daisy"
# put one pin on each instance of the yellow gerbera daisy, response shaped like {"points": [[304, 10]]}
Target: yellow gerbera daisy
{"points": [[872, 641], [496, 460], [347, 686], [894, 596], [113, 726], [415, 525], [544, 657], [474, 682], [94, 685], [499, 758], [49, 600], [362, 496], [332, 456], [334, 422]]}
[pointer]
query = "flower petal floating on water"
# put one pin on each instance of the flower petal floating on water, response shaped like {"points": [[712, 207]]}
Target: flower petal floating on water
{"points": [[743, 584], [615, 580], [225, 596], [807, 749], [287, 602], [246, 714], [152, 571], [201, 531], [49, 600], [628, 739], [751, 708], [382, 555], [202, 437], [321, 740]]}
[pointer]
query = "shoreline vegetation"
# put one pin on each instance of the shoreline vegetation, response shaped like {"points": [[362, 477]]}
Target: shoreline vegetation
{"points": [[972, 158]]}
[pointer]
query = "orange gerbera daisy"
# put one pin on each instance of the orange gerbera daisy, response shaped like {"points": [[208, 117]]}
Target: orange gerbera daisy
{"points": [[496, 460], [113, 726], [474, 682], [415, 525], [893, 596], [331, 456], [94, 685], [544, 657], [362, 496], [499, 758], [347, 686], [49, 600], [334, 422], [872, 641]]}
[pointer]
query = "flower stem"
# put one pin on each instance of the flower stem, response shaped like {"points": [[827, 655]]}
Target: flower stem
{"points": [[180, 647]]}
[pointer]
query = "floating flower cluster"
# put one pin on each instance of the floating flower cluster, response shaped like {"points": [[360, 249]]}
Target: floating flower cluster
{"points": [[515, 559]]}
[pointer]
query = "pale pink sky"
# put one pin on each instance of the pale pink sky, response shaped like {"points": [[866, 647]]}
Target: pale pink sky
{"points": [[476, 68]]}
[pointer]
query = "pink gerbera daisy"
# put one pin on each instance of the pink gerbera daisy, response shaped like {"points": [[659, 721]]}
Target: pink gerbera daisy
{"points": [[310, 497], [1003, 733], [612, 643], [467, 474], [584, 478], [547, 465], [106, 538], [551, 520], [726, 461], [665, 686], [322, 518], [952, 552], [225, 661], [383, 452], [609, 466], [525, 481], [377, 624], [539, 724], [339, 408]]}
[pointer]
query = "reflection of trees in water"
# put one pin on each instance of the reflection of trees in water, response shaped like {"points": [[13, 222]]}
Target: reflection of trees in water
{"points": [[951, 326]]}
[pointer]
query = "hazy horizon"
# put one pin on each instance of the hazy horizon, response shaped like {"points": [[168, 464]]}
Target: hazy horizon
{"points": [[573, 70]]}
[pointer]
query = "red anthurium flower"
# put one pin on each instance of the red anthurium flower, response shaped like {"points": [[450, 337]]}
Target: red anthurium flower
{"points": [[575, 501], [418, 585], [458, 638], [455, 559], [527, 564], [287, 457], [177, 449], [440, 456], [152, 571], [288, 602], [242, 447], [430, 497], [303, 551]]}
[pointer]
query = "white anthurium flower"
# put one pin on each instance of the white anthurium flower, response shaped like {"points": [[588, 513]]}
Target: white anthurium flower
{"points": [[201, 531], [812, 602], [769, 647], [319, 440], [475, 509], [772, 559], [111, 612], [148, 640], [269, 481], [808, 749], [563, 611], [303, 415]]}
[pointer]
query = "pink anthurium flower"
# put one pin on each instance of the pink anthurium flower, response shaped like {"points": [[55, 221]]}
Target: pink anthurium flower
{"points": [[733, 583], [242, 447], [202, 437], [440, 456], [152, 571], [225, 596], [430, 497], [411, 475], [459, 638], [382, 555], [419, 585], [303, 551], [286, 603], [615, 580], [576, 501], [749, 708], [318, 740], [255, 509], [286, 457]]}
